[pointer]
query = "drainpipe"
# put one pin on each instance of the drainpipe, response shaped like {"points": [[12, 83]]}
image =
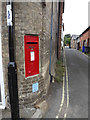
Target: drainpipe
{"points": [[12, 70], [58, 27], [51, 76]]}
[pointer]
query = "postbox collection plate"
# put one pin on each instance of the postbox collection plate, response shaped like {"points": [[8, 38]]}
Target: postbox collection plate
{"points": [[31, 48]]}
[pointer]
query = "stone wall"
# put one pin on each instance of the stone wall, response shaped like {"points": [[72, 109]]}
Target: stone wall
{"points": [[30, 18], [5, 50]]}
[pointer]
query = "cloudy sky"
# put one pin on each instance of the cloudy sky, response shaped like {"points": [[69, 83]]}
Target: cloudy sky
{"points": [[75, 16]]}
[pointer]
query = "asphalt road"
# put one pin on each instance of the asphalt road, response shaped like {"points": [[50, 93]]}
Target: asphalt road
{"points": [[77, 65]]}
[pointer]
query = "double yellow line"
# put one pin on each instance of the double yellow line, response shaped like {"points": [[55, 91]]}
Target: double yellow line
{"points": [[63, 91], [67, 82]]}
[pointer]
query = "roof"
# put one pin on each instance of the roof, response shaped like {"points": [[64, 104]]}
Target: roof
{"points": [[74, 36], [85, 31]]}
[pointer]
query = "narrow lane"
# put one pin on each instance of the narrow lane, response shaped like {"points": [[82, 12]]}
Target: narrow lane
{"points": [[77, 65]]}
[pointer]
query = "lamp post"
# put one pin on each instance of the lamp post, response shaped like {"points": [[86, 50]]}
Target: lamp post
{"points": [[12, 70]]}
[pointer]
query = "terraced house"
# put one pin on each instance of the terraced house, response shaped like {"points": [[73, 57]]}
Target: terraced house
{"points": [[85, 40], [35, 39]]}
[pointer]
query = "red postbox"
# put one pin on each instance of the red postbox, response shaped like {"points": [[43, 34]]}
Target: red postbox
{"points": [[31, 47]]}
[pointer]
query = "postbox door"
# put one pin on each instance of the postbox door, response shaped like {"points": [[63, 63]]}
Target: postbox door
{"points": [[31, 55]]}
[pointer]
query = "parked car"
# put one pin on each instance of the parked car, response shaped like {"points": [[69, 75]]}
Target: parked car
{"points": [[66, 46]]}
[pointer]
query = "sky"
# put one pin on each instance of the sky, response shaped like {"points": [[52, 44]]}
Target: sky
{"points": [[75, 16]]}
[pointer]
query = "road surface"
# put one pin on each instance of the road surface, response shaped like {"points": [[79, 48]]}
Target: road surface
{"points": [[77, 65]]}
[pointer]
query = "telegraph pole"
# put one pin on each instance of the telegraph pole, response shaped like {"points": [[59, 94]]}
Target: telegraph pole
{"points": [[12, 70]]}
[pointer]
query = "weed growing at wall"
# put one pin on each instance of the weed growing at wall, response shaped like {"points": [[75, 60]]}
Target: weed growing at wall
{"points": [[60, 69]]}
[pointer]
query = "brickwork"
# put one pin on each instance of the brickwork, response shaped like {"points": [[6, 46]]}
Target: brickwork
{"points": [[30, 18], [85, 37], [60, 30]]}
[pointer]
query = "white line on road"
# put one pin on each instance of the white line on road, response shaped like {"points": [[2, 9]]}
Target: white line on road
{"points": [[83, 53], [62, 102], [67, 87], [63, 91], [65, 115]]}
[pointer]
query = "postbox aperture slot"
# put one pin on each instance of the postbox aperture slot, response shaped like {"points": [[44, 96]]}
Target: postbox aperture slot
{"points": [[32, 43]]}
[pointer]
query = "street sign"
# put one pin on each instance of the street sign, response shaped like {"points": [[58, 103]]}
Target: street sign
{"points": [[9, 15]]}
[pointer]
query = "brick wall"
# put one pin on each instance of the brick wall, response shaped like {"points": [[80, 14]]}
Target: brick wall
{"points": [[60, 30], [85, 37], [30, 18]]}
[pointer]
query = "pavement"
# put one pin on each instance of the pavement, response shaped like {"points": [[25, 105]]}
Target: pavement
{"points": [[54, 99], [25, 113], [41, 109]]}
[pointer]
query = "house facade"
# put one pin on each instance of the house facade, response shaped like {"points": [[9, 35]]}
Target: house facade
{"points": [[74, 41], [85, 40], [35, 44], [78, 43]]}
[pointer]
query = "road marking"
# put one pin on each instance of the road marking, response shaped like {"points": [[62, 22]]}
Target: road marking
{"points": [[63, 91], [83, 53], [62, 102], [67, 88], [65, 115], [57, 116], [67, 82]]}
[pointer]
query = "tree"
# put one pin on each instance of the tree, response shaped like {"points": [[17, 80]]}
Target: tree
{"points": [[67, 39]]}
